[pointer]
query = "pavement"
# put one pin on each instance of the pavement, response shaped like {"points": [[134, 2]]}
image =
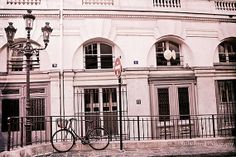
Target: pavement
{"points": [[137, 153], [219, 147]]}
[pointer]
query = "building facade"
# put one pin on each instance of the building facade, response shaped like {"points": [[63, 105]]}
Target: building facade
{"points": [[178, 58]]}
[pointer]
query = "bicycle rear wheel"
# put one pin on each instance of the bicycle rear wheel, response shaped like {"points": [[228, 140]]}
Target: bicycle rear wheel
{"points": [[63, 140], [98, 138]]}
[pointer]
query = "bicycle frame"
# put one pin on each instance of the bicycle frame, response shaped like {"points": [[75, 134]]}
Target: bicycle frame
{"points": [[94, 136], [81, 138]]}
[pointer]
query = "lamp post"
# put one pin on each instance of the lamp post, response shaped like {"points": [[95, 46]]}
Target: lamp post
{"points": [[28, 50]]}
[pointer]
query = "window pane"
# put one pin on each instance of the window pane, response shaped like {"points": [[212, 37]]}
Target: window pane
{"points": [[105, 95], [175, 61], [91, 49], [160, 46], [10, 91], [91, 62], [109, 95], [105, 49], [183, 103], [233, 47], [37, 90], [232, 57], [106, 62], [106, 56], [173, 46], [161, 59], [222, 57], [221, 48], [91, 99], [163, 103], [91, 56]]}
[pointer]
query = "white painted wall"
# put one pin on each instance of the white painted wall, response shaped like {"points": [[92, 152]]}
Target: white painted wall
{"points": [[133, 36]]}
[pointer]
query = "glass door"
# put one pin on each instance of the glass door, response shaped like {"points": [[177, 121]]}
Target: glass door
{"points": [[174, 106]]}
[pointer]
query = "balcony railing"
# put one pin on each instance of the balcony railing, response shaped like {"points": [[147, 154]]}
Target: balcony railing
{"points": [[134, 127], [224, 5], [31, 2], [98, 2], [167, 3]]}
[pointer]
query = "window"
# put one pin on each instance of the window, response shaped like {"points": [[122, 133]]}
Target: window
{"points": [[227, 51], [174, 106], [173, 100], [183, 102], [108, 107], [100, 104], [10, 91], [98, 56], [92, 101], [38, 109], [17, 62], [163, 102], [167, 53], [109, 99], [226, 106], [227, 97]]}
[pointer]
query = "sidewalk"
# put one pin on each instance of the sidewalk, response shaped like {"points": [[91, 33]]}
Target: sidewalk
{"points": [[138, 153], [211, 147]]}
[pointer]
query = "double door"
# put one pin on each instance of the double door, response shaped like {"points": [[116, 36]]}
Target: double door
{"points": [[173, 104], [12, 104]]}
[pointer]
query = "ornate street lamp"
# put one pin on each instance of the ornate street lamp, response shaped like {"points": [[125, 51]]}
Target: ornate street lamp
{"points": [[28, 51]]}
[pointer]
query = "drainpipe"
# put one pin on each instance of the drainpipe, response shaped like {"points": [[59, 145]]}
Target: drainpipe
{"points": [[62, 104]]}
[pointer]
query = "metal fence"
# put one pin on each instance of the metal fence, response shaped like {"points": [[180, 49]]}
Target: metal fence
{"points": [[134, 127]]}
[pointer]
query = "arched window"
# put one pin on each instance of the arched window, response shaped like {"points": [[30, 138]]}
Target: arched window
{"points": [[16, 59], [227, 51], [98, 56], [167, 53]]}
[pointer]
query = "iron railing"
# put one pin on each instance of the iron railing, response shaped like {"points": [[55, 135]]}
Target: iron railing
{"points": [[134, 127]]}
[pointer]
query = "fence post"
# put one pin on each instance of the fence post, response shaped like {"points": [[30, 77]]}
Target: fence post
{"points": [[120, 115], [165, 127], [50, 128], [190, 130], [138, 128], [213, 125], [22, 131], [9, 133]]}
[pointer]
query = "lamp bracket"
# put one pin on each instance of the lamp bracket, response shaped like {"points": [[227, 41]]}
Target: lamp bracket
{"points": [[26, 48]]}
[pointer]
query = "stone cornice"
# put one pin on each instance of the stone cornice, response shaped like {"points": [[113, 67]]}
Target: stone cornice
{"points": [[155, 17], [18, 13], [123, 14]]}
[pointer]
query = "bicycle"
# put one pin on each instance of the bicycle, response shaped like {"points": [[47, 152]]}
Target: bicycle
{"points": [[64, 139]]}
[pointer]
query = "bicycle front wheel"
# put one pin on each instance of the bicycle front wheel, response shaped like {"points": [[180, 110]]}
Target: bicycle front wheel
{"points": [[63, 140], [98, 138]]}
